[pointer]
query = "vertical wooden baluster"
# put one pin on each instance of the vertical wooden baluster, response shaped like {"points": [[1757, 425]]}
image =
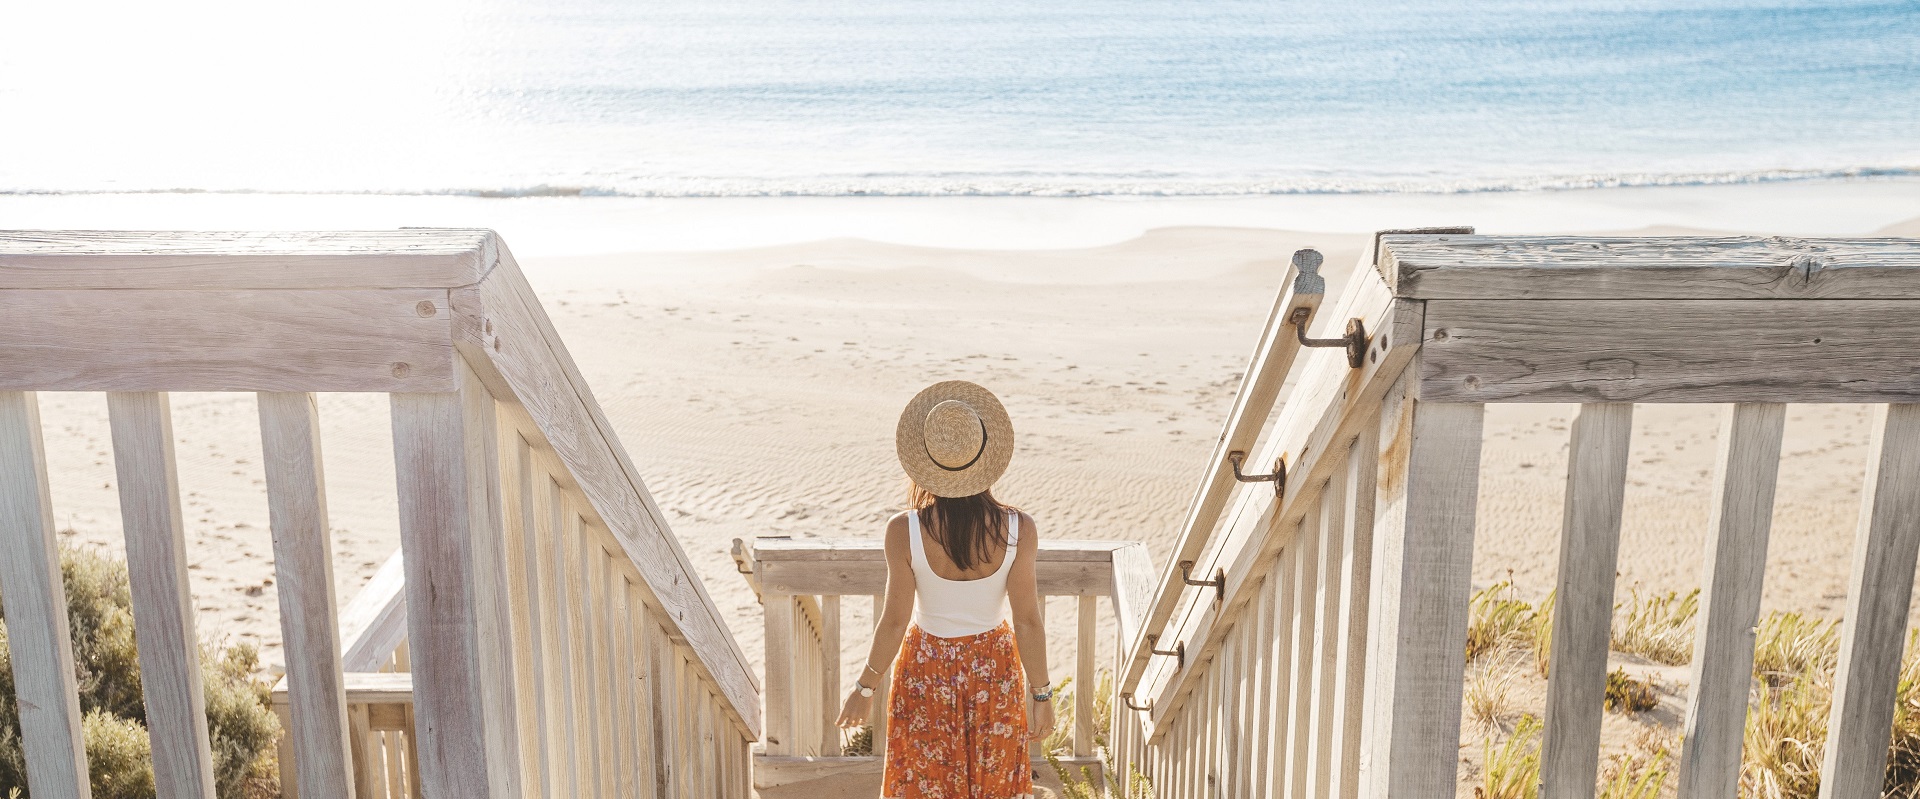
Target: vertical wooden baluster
{"points": [[666, 765], [360, 735], [47, 693], [531, 489], [303, 572], [1306, 575], [1356, 575], [641, 673], [550, 514], [620, 662], [1216, 732], [687, 681], [881, 684], [579, 673], [779, 621], [1222, 711], [709, 758], [1583, 602], [1084, 680], [593, 565], [283, 748], [517, 532], [1873, 632], [413, 755], [1428, 489], [830, 674], [1281, 668], [1326, 637], [447, 468], [1734, 569], [393, 751], [1260, 734], [162, 605]]}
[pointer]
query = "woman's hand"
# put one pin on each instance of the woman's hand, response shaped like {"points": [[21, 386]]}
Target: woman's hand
{"points": [[854, 712], [1040, 720]]}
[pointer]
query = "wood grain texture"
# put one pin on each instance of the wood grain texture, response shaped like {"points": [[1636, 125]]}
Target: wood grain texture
{"points": [[1732, 574], [517, 530], [1326, 636], [1650, 267], [421, 257], [1083, 679], [1873, 631], [1670, 351], [1356, 573], [457, 623], [830, 674], [1427, 493], [780, 642], [503, 331], [303, 576], [36, 606], [155, 340], [1583, 599], [169, 649], [1300, 693], [1273, 358], [1133, 577], [568, 590]]}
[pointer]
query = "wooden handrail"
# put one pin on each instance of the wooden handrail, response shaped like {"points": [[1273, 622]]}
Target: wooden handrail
{"points": [[1260, 387]]}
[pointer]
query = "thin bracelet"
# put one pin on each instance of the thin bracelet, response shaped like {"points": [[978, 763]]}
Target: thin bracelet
{"points": [[876, 672]]}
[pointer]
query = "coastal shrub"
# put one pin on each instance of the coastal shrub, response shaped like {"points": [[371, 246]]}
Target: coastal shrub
{"points": [[1659, 628], [1134, 785], [1497, 619], [240, 721], [861, 744], [1640, 772], [1627, 694], [1512, 769]]}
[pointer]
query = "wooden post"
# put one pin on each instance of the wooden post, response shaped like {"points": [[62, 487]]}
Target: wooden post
{"points": [[1734, 570], [43, 678], [829, 675], [445, 460], [303, 572], [1356, 570], [1083, 679], [882, 682], [162, 602], [779, 621], [1873, 633], [1583, 604], [1428, 488]]}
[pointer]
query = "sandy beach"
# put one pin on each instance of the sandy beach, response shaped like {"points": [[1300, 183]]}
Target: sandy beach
{"points": [[757, 391]]}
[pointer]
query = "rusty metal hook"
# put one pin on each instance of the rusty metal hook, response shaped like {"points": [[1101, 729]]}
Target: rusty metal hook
{"points": [[1278, 477], [1219, 581], [1354, 342]]}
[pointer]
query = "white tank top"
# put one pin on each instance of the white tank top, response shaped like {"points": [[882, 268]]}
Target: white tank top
{"points": [[958, 608]]}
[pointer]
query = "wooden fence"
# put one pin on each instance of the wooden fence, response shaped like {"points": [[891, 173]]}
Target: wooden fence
{"points": [[542, 635], [1330, 662], [801, 583]]}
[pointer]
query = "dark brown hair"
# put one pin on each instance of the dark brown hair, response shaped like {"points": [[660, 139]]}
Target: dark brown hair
{"points": [[968, 528]]}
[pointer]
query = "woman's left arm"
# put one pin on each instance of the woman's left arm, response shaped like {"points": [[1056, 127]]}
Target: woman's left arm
{"points": [[890, 629], [1030, 624]]}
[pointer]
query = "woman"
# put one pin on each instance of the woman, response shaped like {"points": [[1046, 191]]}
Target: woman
{"points": [[959, 714]]}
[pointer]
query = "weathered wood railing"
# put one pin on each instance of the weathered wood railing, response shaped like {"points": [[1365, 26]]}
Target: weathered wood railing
{"points": [[553, 637], [1332, 663], [801, 583]]}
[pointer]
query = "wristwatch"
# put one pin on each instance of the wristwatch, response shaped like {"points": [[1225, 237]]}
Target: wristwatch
{"points": [[864, 690], [1044, 694]]}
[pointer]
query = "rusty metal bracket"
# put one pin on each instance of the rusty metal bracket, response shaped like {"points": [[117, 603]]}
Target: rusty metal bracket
{"points": [[1127, 699], [1278, 477], [1179, 650], [1354, 342], [1219, 581]]}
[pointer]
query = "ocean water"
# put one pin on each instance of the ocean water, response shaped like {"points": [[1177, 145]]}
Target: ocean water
{"points": [[943, 97]]}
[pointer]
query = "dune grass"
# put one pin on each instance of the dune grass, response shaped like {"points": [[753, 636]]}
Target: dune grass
{"points": [[1658, 628]]}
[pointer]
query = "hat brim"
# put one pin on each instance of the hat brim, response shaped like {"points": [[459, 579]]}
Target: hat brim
{"points": [[910, 441]]}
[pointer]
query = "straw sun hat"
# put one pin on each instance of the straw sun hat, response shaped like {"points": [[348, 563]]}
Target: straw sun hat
{"points": [[954, 439]]}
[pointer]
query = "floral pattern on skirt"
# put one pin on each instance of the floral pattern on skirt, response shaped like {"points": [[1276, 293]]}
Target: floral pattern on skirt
{"points": [[957, 719]]}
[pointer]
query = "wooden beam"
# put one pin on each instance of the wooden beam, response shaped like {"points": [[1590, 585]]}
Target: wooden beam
{"points": [[1583, 600], [1649, 267], [174, 260], [864, 576], [374, 622], [1670, 351], [162, 601], [303, 576], [458, 627], [506, 335], [381, 340], [1733, 570], [1083, 679], [1873, 633], [45, 689], [781, 639], [1428, 491]]}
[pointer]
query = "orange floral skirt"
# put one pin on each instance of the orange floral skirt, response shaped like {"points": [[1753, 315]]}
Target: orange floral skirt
{"points": [[957, 719]]}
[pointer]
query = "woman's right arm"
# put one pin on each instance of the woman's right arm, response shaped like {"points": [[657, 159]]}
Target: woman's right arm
{"points": [[896, 610]]}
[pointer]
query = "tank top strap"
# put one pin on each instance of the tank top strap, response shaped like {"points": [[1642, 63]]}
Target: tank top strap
{"points": [[916, 549], [1013, 529]]}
